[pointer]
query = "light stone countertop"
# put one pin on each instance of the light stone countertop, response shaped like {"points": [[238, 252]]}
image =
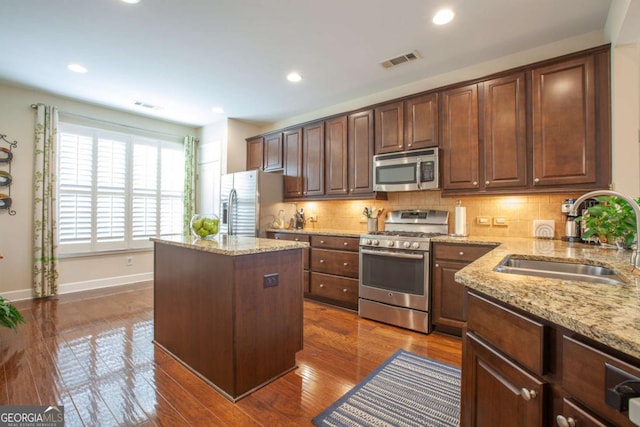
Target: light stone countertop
{"points": [[232, 245], [609, 314]]}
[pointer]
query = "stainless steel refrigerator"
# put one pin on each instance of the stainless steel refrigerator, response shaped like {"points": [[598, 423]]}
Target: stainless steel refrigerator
{"points": [[249, 202]]}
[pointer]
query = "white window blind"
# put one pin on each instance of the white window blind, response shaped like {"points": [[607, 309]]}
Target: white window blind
{"points": [[116, 190]]}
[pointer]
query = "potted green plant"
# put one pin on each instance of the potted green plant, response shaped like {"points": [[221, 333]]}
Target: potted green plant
{"points": [[612, 221], [9, 315]]}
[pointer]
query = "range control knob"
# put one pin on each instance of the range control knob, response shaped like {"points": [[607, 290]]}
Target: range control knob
{"points": [[390, 243], [375, 242], [415, 245], [406, 245], [367, 241]]}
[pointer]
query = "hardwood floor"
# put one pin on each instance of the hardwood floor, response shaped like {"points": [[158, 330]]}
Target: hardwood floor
{"points": [[93, 353]]}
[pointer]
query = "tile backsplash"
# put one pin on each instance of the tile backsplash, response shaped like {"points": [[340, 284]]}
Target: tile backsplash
{"points": [[519, 212]]}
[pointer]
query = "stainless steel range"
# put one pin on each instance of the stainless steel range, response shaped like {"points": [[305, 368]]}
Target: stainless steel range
{"points": [[394, 268]]}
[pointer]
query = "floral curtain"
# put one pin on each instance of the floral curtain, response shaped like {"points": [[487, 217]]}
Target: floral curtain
{"points": [[189, 181], [45, 233]]}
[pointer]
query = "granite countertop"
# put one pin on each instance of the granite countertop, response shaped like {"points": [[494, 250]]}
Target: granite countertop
{"points": [[232, 245], [319, 231], [609, 314]]}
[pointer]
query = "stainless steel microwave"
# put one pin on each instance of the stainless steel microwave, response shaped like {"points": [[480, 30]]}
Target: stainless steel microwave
{"points": [[406, 171]]}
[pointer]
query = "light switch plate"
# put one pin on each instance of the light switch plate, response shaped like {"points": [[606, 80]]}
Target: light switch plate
{"points": [[544, 228], [483, 220]]}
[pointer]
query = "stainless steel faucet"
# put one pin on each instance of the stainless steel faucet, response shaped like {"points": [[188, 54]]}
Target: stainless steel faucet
{"points": [[635, 256]]}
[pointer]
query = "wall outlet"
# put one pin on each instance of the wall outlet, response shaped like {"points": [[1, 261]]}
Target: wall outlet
{"points": [[483, 220], [313, 218], [129, 260], [499, 220]]}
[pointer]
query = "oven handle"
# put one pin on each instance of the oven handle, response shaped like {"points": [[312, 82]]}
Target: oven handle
{"points": [[393, 254]]}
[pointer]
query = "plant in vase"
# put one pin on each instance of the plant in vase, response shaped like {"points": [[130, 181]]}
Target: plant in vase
{"points": [[9, 315], [612, 221]]}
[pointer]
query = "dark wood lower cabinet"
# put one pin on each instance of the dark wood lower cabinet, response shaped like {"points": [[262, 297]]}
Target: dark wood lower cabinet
{"points": [[520, 370]]}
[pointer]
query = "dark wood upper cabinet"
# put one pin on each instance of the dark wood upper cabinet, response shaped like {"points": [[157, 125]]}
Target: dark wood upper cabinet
{"points": [[255, 148], [361, 145], [505, 132], [564, 123], [313, 160], [336, 178], [389, 128], [292, 145], [421, 124], [460, 148], [273, 151]]}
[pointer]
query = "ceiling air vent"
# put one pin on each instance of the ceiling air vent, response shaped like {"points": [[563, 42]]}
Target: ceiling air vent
{"points": [[147, 105], [411, 56]]}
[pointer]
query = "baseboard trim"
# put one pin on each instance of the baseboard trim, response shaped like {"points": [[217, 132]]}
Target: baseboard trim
{"points": [[87, 285]]}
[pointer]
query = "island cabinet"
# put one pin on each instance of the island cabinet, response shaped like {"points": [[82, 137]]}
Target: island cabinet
{"points": [[335, 270], [235, 320], [449, 312], [520, 370]]}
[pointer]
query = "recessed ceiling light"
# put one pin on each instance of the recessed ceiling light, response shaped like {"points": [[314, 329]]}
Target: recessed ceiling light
{"points": [[443, 16], [294, 77], [131, 1], [217, 110], [77, 68]]}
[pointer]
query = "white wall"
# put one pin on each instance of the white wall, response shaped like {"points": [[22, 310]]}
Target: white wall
{"points": [[17, 120]]}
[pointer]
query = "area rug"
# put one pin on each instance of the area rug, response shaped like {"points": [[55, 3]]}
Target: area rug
{"points": [[406, 390]]}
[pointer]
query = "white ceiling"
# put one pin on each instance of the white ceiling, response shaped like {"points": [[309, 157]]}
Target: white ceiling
{"points": [[188, 56]]}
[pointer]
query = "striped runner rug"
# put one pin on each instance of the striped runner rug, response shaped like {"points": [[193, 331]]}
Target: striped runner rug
{"points": [[406, 390]]}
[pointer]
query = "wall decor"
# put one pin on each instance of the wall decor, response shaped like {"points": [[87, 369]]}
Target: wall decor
{"points": [[6, 157]]}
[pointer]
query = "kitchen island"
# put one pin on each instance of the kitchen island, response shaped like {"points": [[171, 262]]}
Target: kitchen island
{"points": [[230, 309]]}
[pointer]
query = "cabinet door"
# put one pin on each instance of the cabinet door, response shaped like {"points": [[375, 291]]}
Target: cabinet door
{"points": [[273, 151], [336, 178], [255, 150], [390, 128], [361, 152], [449, 309], [313, 163], [421, 122], [564, 120], [505, 144], [497, 392], [292, 142], [460, 138]]}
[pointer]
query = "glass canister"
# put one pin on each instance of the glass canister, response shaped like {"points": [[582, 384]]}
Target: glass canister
{"points": [[204, 226]]}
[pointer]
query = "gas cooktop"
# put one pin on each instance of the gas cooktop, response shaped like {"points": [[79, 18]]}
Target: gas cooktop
{"points": [[406, 234]]}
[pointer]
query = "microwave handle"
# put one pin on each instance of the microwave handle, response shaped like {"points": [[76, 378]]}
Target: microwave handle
{"points": [[418, 173]]}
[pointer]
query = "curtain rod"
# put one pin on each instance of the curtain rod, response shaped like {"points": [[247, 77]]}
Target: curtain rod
{"points": [[80, 116]]}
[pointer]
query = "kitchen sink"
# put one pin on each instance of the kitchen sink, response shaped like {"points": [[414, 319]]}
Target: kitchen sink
{"points": [[559, 270]]}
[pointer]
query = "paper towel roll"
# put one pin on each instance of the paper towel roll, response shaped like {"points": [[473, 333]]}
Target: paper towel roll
{"points": [[461, 221]]}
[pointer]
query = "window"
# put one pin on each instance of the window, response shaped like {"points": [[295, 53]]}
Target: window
{"points": [[116, 190]]}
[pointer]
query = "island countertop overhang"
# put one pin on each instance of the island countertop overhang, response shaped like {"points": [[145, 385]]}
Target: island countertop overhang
{"points": [[232, 245]]}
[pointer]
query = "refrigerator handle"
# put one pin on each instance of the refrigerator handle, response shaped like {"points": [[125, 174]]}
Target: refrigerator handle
{"points": [[233, 198]]}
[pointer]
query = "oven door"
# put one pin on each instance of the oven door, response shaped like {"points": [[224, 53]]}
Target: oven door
{"points": [[398, 278]]}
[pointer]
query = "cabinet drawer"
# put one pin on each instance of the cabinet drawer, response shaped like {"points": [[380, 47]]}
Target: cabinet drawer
{"points": [[584, 376], [580, 417], [335, 242], [340, 263], [467, 253], [333, 287], [519, 337], [291, 236]]}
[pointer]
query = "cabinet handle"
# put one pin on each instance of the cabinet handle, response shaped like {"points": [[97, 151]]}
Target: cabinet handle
{"points": [[345, 264], [461, 253], [321, 261], [322, 241], [277, 238], [345, 290], [565, 422], [296, 239], [487, 182], [528, 394], [536, 180], [346, 243], [437, 265], [475, 183], [322, 285]]}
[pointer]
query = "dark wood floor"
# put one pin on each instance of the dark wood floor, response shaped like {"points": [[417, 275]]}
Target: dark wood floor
{"points": [[93, 353]]}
